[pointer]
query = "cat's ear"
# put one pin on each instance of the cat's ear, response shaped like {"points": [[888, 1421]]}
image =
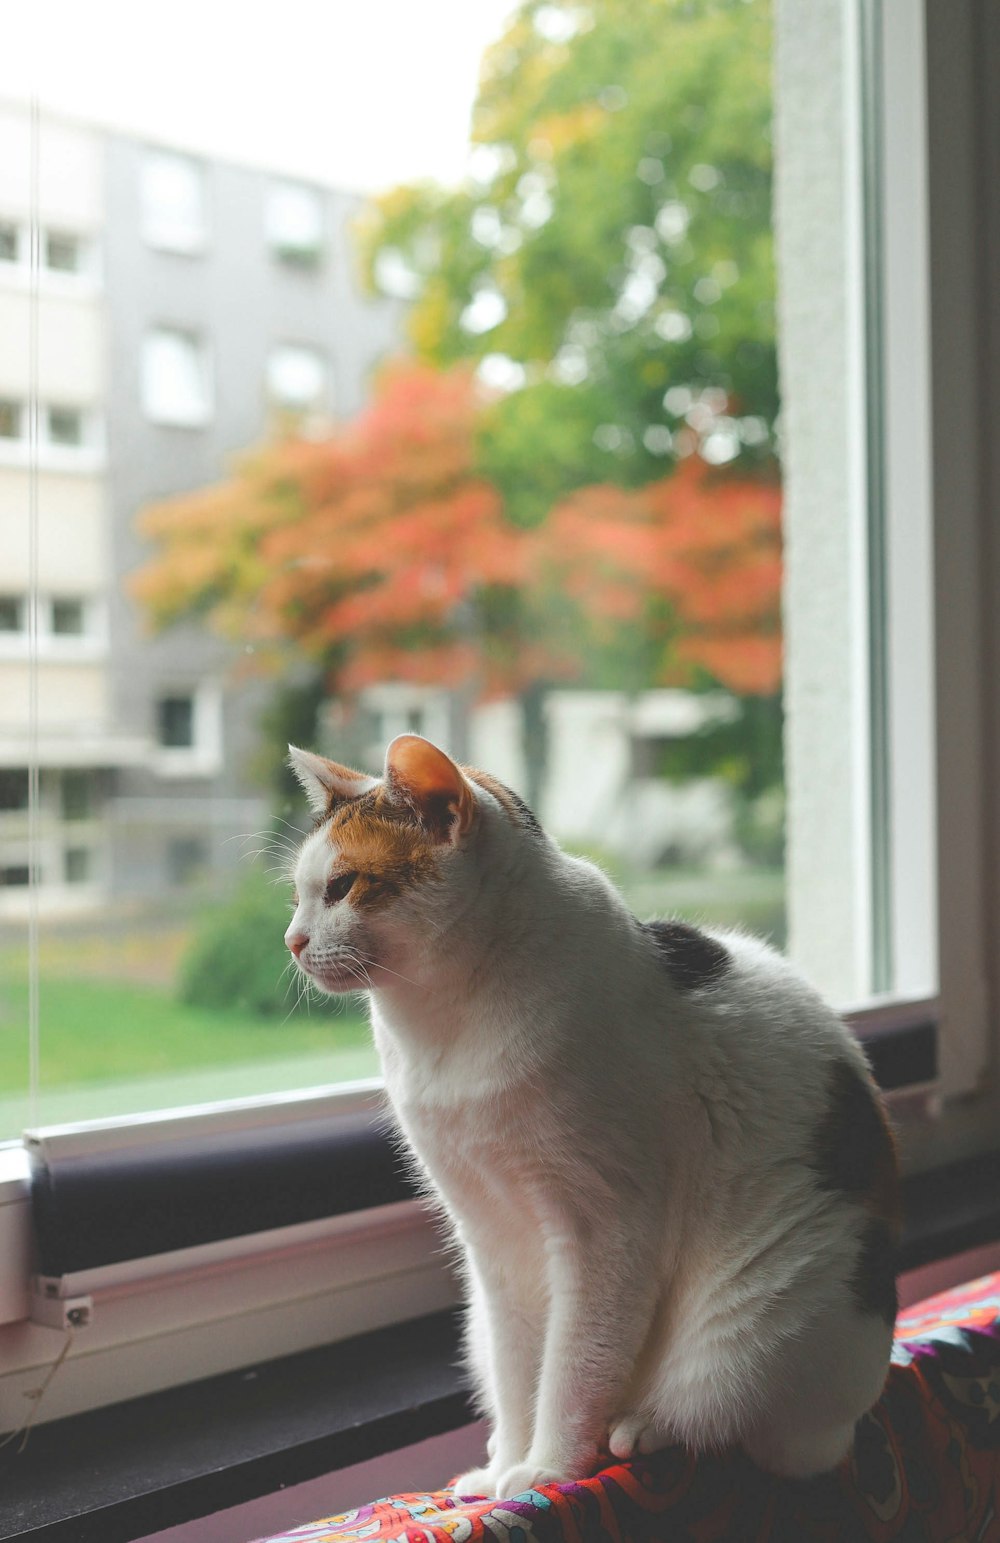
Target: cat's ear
{"points": [[324, 783], [432, 785]]}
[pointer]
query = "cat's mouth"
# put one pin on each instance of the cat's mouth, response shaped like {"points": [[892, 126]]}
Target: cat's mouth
{"points": [[334, 978]]}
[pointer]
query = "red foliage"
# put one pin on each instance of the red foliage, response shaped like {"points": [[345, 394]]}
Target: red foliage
{"points": [[707, 543], [383, 554]]}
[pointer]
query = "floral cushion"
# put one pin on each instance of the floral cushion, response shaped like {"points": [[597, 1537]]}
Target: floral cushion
{"points": [[925, 1469]]}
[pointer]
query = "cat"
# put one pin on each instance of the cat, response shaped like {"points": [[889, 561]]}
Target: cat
{"points": [[662, 1156]]}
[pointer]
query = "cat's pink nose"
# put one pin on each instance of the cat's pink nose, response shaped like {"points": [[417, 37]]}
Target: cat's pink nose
{"points": [[296, 942]]}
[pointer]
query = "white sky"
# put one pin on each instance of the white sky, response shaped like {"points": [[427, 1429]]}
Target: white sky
{"points": [[356, 93]]}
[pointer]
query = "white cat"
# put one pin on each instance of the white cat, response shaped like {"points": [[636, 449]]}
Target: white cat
{"points": [[662, 1155]]}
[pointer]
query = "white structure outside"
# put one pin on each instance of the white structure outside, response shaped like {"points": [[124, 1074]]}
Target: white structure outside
{"points": [[598, 790]]}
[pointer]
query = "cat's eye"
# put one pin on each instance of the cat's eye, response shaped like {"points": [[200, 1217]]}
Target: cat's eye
{"points": [[339, 888]]}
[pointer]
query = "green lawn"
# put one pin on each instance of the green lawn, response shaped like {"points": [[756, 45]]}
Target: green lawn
{"points": [[109, 1048], [115, 1039]]}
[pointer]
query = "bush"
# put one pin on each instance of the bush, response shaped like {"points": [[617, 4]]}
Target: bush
{"points": [[237, 957]]}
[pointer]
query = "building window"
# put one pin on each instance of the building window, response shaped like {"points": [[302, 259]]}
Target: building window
{"points": [[175, 722], [9, 242], [77, 795], [65, 426], [11, 419], [69, 618], [294, 223], [187, 859], [176, 386], [77, 864], [15, 876], [63, 253], [12, 613], [296, 377], [14, 788], [173, 202]]}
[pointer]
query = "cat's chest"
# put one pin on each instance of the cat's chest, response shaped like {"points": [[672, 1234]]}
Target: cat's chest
{"points": [[482, 1149]]}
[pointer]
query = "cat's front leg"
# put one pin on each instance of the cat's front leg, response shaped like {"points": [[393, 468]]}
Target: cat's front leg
{"points": [[504, 1336], [602, 1300]]}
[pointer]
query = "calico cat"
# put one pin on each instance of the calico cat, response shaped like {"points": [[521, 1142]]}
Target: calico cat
{"points": [[662, 1156]]}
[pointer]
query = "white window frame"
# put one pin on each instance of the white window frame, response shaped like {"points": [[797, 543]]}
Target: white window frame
{"points": [[928, 548], [165, 1319], [203, 757]]}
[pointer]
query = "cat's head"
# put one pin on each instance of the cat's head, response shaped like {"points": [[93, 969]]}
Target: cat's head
{"points": [[390, 860]]}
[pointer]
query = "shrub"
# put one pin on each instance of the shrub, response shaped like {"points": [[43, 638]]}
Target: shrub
{"points": [[237, 957]]}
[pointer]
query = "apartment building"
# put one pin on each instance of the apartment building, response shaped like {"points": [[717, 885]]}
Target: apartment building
{"points": [[174, 308], [55, 533]]}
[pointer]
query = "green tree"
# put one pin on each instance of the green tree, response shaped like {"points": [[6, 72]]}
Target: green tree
{"points": [[611, 252]]}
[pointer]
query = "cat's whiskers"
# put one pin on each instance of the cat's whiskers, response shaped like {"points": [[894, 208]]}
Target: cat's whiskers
{"points": [[375, 964]]}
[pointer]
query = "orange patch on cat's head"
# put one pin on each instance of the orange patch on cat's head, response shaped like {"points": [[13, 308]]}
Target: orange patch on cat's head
{"points": [[385, 846]]}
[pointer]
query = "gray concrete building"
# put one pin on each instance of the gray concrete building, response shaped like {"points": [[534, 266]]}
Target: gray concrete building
{"points": [[227, 299]]}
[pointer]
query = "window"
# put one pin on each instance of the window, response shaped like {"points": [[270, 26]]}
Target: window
{"points": [[176, 385], [68, 618], [294, 221], [296, 377], [173, 202], [63, 253], [11, 419], [175, 722], [12, 613], [14, 786], [9, 242], [78, 865], [660, 382], [65, 426], [77, 792]]}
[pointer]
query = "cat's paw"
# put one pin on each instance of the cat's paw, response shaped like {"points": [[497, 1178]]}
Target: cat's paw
{"points": [[529, 1475], [478, 1481], [635, 1434]]}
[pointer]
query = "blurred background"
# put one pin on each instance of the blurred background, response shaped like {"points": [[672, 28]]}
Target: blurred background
{"points": [[405, 371]]}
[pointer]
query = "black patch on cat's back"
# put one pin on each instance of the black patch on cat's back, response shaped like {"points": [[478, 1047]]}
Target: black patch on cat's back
{"points": [[527, 816], [852, 1142], [691, 958], [873, 1281]]}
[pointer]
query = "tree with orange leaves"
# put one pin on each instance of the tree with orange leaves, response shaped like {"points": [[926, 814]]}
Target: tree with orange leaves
{"points": [[688, 566], [375, 553], [380, 553]]}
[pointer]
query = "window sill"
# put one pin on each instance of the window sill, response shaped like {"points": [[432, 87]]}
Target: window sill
{"points": [[192, 1450], [158, 1461]]}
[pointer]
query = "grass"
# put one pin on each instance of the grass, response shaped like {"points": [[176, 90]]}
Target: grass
{"points": [[112, 1048], [115, 1039]]}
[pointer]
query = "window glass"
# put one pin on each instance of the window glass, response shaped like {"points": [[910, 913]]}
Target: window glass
{"points": [[77, 790], [296, 377], [63, 254], [294, 222], [65, 425], [11, 613], [14, 788], [68, 618], [544, 529], [173, 202], [11, 418], [78, 864], [175, 722], [9, 243], [175, 379]]}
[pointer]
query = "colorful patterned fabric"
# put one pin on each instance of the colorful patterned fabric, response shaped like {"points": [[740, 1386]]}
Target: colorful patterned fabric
{"points": [[925, 1469]]}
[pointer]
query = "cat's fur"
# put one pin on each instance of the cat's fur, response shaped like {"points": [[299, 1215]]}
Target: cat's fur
{"points": [[662, 1155]]}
